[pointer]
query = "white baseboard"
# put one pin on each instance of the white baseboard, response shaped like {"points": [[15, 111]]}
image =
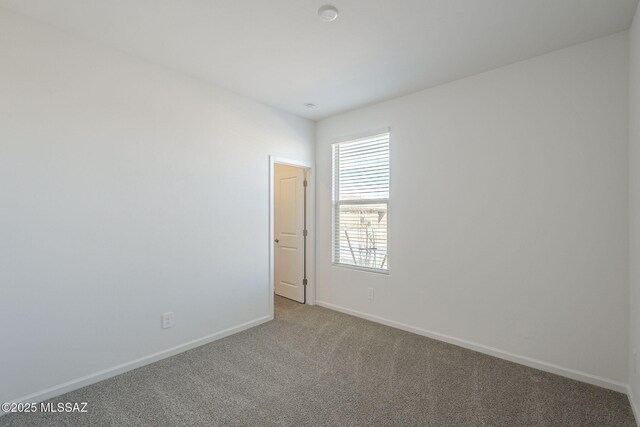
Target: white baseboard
{"points": [[632, 402], [137, 363], [523, 360]]}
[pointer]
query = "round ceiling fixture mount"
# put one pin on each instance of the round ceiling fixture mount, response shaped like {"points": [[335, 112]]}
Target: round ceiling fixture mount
{"points": [[328, 13], [310, 105]]}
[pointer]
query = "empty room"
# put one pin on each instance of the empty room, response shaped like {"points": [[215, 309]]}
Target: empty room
{"points": [[302, 213]]}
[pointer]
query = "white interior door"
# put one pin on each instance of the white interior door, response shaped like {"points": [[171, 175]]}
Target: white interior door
{"points": [[288, 230]]}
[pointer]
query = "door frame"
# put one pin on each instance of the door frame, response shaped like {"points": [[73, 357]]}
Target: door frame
{"points": [[311, 223]]}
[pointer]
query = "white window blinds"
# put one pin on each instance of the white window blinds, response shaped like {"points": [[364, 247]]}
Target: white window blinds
{"points": [[361, 202]]}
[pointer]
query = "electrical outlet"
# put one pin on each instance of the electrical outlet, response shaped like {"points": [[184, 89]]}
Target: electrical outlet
{"points": [[370, 294], [167, 320]]}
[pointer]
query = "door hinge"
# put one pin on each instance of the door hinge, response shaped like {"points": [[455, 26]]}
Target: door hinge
{"points": [[304, 182], [304, 233], [304, 282]]}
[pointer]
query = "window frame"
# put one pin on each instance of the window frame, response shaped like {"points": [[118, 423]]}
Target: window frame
{"points": [[335, 204]]}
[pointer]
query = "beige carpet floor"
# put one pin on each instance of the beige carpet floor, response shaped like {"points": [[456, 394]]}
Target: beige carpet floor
{"points": [[312, 366]]}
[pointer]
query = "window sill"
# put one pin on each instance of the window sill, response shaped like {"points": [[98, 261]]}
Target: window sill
{"points": [[360, 268]]}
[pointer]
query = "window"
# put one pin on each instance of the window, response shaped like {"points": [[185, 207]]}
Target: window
{"points": [[361, 202]]}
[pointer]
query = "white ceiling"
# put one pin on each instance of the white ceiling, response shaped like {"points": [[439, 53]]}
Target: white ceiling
{"points": [[281, 53]]}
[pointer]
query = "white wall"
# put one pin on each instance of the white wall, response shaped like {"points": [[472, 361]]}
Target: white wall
{"points": [[126, 190], [508, 212], [634, 207]]}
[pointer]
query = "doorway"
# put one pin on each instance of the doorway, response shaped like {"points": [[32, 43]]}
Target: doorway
{"points": [[291, 243]]}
